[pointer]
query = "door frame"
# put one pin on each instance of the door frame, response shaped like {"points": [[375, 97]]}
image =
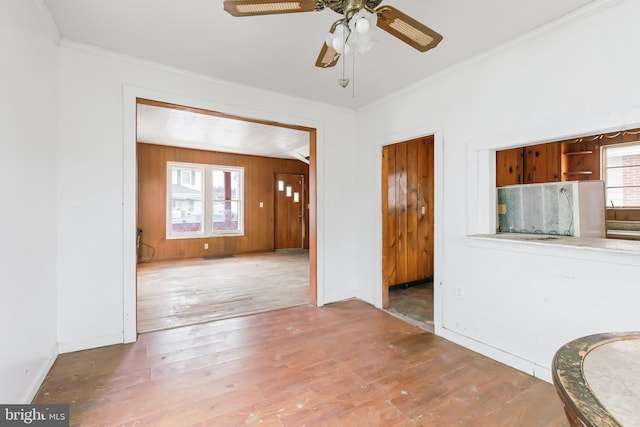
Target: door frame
{"points": [[130, 182], [438, 216], [385, 190]]}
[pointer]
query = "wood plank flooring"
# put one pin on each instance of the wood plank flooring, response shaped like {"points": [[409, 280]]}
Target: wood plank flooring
{"points": [[414, 304], [344, 364], [187, 292]]}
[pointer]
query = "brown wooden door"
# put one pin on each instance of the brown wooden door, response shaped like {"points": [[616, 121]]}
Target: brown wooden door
{"points": [[407, 212], [289, 211]]}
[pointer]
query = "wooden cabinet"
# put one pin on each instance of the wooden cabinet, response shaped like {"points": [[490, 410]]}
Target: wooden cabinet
{"points": [[528, 165], [407, 211], [580, 160], [509, 167]]}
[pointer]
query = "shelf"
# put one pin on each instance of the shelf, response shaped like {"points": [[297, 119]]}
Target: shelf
{"points": [[578, 173], [577, 153]]}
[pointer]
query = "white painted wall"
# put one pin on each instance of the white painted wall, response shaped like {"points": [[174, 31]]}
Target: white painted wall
{"points": [[519, 302], [96, 180], [28, 207]]}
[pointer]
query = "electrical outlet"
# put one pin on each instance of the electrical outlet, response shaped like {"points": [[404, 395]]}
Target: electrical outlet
{"points": [[458, 292], [206, 246]]}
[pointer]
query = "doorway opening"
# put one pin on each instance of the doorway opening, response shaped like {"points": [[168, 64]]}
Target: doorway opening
{"points": [[207, 247], [408, 230]]}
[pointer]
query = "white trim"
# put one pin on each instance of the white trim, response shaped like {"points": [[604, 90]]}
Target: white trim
{"points": [[129, 202], [438, 227], [35, 385], [438, 211], [129, 213], [481, 166], [93, 342], [52, 28]]}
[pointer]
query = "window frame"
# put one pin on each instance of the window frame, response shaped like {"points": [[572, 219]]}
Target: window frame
{"points": [[604, 169], [207, 200]]}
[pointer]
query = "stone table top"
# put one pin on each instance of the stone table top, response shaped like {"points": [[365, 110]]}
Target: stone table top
{"points": [[598, 379]]}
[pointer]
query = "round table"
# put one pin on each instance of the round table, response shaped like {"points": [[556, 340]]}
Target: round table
{"points": [[598, 379]]}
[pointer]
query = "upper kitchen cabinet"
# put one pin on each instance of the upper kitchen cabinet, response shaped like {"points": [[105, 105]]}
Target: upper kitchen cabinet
{"points": [[533, 164], [581, 159]]}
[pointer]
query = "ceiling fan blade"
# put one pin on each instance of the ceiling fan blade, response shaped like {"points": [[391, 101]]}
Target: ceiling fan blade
{"points": [[407, 29], [328, 57], [268, 7]]}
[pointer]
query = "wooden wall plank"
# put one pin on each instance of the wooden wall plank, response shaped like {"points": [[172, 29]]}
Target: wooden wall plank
{"points": [[401, 212], [389, 223], [259, 181], [407, 233], [411, 240]]}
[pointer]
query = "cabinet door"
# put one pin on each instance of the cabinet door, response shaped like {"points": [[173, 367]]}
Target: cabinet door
{"points": [[542, 163], [509, 166], [528, 165]]}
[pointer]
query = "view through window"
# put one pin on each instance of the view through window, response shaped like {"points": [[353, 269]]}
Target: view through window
{"points": [[622, 175], [204, 200]]}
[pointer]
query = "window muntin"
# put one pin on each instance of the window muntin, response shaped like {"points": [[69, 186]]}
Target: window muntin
{"points": [[204, 200], [622, 175]]}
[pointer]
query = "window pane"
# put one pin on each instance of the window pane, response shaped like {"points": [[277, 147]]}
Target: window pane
{"points": [[186, 200], [623, 176], [218, 185], [235, 185], [625, 197], [225, 215]]}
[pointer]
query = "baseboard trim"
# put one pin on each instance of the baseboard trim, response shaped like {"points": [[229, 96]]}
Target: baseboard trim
{"points": [[499, 355], [94, 342], [39, 379]]}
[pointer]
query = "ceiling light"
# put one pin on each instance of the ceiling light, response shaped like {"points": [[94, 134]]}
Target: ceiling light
{"points": [[362, 25]]}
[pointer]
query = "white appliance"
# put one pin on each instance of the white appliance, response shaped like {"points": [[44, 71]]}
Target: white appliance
{"points": [[569, 208]]}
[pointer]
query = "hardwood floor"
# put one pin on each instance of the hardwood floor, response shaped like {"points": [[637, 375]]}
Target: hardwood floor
{"points": [[345, 364], [187, 292], [413, 304]]}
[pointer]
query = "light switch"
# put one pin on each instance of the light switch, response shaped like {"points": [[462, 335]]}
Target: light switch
{"points": [[261, 204]]}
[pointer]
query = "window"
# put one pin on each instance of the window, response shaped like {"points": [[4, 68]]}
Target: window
{"points": [[204, 200], [622, 175]]}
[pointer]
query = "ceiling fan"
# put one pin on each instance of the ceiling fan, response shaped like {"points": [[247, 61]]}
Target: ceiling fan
{"points": [[351, 27]]}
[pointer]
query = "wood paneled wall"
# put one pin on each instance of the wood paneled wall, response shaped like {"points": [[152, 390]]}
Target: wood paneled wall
{"points": [[407, 212], [259, 174]]}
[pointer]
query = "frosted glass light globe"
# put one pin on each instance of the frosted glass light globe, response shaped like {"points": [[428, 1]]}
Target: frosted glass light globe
{"points": [[362, 25], [336, 43]]}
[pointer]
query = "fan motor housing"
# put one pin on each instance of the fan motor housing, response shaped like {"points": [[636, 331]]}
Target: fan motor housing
{"points": [[348, 8]]}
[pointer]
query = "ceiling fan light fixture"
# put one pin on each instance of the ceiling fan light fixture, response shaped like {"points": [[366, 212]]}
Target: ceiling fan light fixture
{"points": [[338, 39], [362, 25]]}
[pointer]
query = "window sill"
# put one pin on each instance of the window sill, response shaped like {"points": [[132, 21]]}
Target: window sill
{"points": [[205, 236], [598, 249]]}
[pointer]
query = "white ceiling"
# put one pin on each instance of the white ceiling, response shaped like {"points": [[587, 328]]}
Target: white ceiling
{"points": [[189, 129], [278, 52]]}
